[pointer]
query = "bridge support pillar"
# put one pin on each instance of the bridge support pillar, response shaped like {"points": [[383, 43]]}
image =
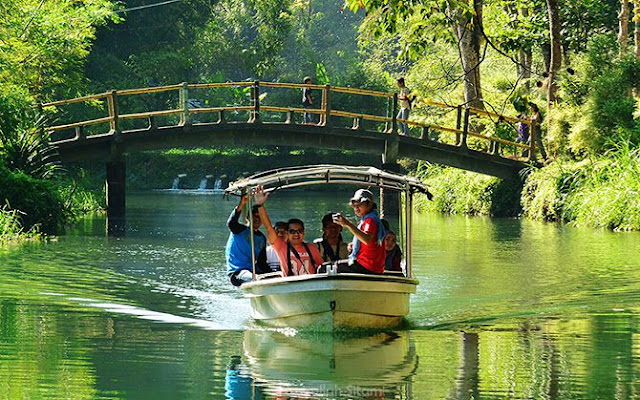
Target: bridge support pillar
{"points": [[116, 204], [390, 200]]}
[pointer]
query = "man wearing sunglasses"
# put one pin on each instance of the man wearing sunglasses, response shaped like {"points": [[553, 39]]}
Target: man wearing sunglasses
{"points": [[296, 256]]}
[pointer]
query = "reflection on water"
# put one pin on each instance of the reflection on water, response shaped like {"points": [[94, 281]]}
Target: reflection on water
{"points": [[323, 366], [505, 309]]}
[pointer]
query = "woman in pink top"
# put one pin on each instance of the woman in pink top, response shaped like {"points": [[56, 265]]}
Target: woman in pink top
{"points": [[296, 256]]}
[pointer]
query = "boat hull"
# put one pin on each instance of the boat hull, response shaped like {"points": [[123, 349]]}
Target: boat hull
{"points": [[329, 302]]}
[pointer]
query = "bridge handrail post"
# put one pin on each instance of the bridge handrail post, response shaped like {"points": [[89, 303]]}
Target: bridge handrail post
{"points": [[112, 102], [255, 99], [424, 133], [465, 128], [533, 127], [394, 115], [458, 123], [80, 133], [185, 118], [326, 106]]}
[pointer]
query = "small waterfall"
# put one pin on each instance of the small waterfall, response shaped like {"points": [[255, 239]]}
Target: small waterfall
{"points": [[176, 181], [218, 184], [203, 184]]}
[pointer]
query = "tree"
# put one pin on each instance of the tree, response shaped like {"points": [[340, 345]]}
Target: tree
{"points": [[556, 49], [43, 44], [623, 30], [430, 20], [468, 35]]}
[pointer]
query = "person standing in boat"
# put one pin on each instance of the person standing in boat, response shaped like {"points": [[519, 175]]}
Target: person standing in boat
{"points": [[296, 256], [238, 249], [331, 245], [368, 251]]}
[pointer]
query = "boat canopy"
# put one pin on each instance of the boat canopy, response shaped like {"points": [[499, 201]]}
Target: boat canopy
{"points": [[292, 177]]}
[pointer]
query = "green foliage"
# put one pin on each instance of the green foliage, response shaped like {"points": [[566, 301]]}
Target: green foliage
{"points": [[321, 75], [560, 123], [81, 193], [45, 43], [516, 25], [14, 108], [461, 192], [425, 21], [37, 201], [599, 107], [27, 149], [546, 189], [602, 192], [11, 228]]}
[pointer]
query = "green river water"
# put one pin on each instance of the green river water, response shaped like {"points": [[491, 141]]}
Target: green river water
{"points": [[504, 309]]}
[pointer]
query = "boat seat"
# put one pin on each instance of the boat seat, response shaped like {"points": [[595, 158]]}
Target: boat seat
{"points": [[269, 275]]}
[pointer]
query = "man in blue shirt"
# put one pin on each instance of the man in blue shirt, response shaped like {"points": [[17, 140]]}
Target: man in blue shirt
{"points": [[238, 250]]}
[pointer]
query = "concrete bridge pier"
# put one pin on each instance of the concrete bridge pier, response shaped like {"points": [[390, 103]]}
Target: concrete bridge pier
{"points": [[390, 200], [116, 204]]}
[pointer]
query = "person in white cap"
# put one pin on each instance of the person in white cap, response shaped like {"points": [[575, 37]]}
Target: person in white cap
{"points": [[368, 253]]}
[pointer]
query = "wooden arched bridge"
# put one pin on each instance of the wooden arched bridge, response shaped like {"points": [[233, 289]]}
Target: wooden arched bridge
{"points": [[268, 113]]}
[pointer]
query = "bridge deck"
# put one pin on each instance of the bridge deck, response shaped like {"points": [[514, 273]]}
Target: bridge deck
{"points": [[460, 147]]}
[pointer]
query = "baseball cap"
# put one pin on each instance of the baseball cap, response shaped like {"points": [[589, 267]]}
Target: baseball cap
{"points": [[363, 195]]}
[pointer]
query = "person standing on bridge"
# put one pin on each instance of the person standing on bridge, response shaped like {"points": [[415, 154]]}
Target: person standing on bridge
{"points": [[238, 249], [536, 120], [405, 106], [307, 100]]}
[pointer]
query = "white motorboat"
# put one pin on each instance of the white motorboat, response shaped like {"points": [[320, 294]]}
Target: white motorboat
{"points": [[332, 300]]}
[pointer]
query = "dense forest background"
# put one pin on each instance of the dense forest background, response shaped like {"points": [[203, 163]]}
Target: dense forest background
{"points": [[578, 61]]}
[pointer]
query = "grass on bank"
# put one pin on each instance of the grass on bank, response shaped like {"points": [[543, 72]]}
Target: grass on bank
{"points": [[602, 192], [461, 192], [31, 207], [11, 229]]}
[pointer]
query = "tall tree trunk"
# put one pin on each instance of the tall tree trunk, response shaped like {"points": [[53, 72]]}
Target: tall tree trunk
{"points": [[623, 26], [524, 66], [524, 55], [556, 50], [469, 37], [545, 48]]}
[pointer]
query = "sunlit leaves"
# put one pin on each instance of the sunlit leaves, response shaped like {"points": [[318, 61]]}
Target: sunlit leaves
{"points": [[428, 20], [43, 44]]}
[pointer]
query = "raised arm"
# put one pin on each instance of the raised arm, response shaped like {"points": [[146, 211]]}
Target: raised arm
{"points": [[261, 197], [234, 225], [366, 238]]}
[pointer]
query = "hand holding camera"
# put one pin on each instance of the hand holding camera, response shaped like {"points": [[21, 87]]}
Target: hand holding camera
{"points": [[339, 219]]}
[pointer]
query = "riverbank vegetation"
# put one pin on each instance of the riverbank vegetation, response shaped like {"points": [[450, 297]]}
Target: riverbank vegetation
{"points": [[576, 58]]}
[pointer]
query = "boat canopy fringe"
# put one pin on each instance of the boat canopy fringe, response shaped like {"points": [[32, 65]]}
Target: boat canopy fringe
{"points": [[284, 178]]}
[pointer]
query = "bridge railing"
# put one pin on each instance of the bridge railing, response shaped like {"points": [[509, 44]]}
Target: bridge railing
{"points": [[365, 110]]}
